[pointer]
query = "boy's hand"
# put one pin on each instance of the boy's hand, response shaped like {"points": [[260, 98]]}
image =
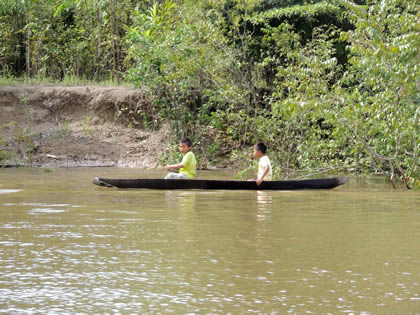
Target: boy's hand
{"points": [[259, 181], [173, 167]]}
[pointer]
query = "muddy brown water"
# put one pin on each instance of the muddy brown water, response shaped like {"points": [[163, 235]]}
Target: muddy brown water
{"points": [[67, 246]]}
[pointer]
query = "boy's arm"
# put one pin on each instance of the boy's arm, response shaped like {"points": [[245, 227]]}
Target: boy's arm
{"points": [[185, 160], [173, 166], [265, 171]]}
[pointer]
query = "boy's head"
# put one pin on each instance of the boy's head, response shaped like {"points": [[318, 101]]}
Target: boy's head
{"points": [[259, 150], [185, 145]]}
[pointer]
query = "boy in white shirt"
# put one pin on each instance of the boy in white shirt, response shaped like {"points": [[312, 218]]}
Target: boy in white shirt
{"points": [[264, 166]]}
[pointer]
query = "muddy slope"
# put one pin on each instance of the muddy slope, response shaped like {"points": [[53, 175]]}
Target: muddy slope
{"points": [[78, 126]]}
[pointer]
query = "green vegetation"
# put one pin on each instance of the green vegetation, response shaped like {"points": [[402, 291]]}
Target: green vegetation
{"points": [[326, 84], [4, 155], [378, 97], [25, 144]]}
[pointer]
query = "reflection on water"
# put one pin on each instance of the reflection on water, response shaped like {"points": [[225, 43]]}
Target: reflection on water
{"points": [[264, 205], [9, 191], [67, 246]]}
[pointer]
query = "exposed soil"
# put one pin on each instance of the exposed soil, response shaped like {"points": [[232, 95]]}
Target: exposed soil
{"points": [[78, 126]]}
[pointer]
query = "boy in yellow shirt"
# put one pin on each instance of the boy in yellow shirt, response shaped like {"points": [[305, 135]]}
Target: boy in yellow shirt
{"points": [[187, 167]]}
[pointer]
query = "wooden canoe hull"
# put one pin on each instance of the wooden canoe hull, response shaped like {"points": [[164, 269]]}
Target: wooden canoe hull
{"points": [[168, 184]]}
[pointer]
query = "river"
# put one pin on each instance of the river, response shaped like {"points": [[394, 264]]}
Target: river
{"points": [[67, 246]]}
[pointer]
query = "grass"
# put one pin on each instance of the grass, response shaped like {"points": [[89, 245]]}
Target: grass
{"points": [[67, 81]]}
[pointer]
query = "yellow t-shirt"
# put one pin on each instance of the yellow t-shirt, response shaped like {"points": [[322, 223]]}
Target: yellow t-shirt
{"points": [[189, 164]]}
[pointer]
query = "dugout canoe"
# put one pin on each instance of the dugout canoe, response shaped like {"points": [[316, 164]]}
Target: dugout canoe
{"points": [[166, 184]]}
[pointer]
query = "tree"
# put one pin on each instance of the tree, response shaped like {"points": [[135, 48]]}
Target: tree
{"points": [[378, 97], [12, 37], [295, 125], [175, 55]]}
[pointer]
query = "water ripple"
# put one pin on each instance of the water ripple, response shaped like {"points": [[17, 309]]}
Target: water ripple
{"points": [[46, 210], [9, 191]]}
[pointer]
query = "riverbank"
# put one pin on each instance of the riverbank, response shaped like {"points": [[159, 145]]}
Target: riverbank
{"points": [[73, 126]]}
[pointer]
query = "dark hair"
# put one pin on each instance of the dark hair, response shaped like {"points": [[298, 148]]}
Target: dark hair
{"points": [[187, 141], [261, 147]]}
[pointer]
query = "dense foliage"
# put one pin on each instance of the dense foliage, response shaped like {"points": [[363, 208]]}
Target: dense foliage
{"points": [[378, 97], [326, 84]]}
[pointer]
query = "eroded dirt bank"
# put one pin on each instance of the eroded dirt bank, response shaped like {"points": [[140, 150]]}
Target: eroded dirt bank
{"points": [[78, 126]]}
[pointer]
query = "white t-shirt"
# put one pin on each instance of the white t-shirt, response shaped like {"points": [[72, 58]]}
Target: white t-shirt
{"points": [[261, 165]]}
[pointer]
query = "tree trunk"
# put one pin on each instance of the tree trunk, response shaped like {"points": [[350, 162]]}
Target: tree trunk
{"points": [[28, 49], [98, 43], [113, 43], [118, 50]]}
